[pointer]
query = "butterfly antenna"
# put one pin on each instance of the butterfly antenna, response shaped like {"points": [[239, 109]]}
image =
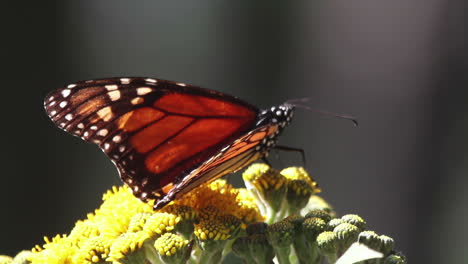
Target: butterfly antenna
{"points": [[347, 117], [298, 100]]}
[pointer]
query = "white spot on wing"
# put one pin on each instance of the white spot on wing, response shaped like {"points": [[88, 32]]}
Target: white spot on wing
{"points": [[106, 146], [71, 86], [53, 112], [80, 126], [137, 100], [181, 84], [66, 92], [69, 117], [151, 80], [63, 104], [86, 134], [121, 148], [111, 87], [114, 95], [52, 103], [103, 132], [143, 90], [116, 139], [125, 80], [105, 113], [93, 127], [51, 98]]}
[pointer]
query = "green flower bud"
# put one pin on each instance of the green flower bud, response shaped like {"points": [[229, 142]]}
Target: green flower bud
{"points": [[355, 220], [261, 250], [334, 223], [370, 239], [305, 244], [346, 234], [387, 244], [256, 228], [395, 259], [253, 249], [241, 247], [172, 248], [296, 220], [281, 236], [298, 194], [328, 245], [322, 214], [312, 227]]}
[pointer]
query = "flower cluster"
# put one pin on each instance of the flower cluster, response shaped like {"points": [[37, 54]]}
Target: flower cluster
{"points": [[277, 216]]}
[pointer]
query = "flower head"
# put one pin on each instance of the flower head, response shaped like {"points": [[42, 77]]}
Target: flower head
{"points": [[267, 184], [160, 223], [172, 248], [93, 250], [223, 196], [59, 249], [126, 248], [216, 226]]}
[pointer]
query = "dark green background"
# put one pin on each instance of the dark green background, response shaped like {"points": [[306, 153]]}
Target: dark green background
{"points": [[399, 66]]}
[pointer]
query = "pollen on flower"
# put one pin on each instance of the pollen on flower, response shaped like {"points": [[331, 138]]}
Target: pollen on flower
{"points": [[170, 244], [186, 213], [299, 173], [93, 250], [222, 196], [59, 249], [137, 222], [160, 223], [263, 177], [214, 224], [126, 244]]}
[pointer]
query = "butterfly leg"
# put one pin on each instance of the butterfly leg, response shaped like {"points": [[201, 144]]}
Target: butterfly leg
{"points": [[291, 149]]}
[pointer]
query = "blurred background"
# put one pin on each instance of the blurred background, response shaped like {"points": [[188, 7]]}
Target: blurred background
{"points": [[398, 66]]}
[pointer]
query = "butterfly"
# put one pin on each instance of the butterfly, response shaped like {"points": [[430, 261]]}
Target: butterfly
{"points": [[164, 137]]}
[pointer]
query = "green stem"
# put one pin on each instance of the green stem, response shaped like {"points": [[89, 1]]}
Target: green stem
{"points": [[305, 251], [282, 254], [331, 258], [212, 252], [150, 253]]}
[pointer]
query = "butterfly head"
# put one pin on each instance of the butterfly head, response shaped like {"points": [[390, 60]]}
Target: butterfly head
{"points": [[280, 115]]}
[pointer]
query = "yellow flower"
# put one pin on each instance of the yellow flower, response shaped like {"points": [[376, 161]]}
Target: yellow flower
{"points": [[93, 250], [160, 223], [214, 224], [299, 173], [5, 259], [225, 197], [172, 248], [117, 210], [126, 248], [59, 249]]}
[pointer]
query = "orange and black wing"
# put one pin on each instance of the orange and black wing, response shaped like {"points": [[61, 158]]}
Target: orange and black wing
{"points": [[157, 132], [243, 151]]}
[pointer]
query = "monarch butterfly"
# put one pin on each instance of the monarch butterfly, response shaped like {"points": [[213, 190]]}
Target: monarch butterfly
{"points": [[166, 138]]}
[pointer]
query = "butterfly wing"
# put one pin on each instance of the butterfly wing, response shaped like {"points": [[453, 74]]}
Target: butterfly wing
{"points": [[243, 151], [155, 131]]}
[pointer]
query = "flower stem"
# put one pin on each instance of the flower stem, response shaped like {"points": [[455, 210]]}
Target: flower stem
{"points": [[212, 252], [282, 254]]}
